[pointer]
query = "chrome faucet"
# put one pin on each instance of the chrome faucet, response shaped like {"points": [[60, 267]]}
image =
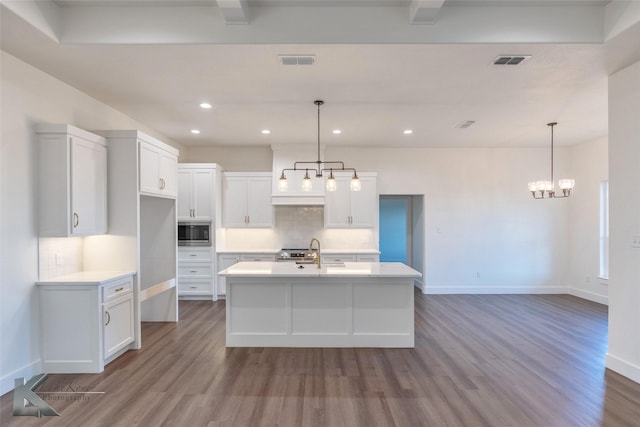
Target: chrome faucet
{"points": [[317, 255]]}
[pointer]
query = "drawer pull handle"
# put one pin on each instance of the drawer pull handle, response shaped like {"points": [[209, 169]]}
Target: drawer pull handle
{"points": [[108, 318], [193, 287], [120, 289], [193, 271], [193, 255]]}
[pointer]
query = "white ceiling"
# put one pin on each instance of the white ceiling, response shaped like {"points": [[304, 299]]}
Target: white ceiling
{"points": [[372, 90]]}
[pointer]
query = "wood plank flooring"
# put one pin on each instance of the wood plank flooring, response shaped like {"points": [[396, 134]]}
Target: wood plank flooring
{"points": [[480, 360]]}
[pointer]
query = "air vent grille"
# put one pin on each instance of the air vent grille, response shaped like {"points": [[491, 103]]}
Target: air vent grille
{"points": [[297, 59], [510, 59], [465, 124]]}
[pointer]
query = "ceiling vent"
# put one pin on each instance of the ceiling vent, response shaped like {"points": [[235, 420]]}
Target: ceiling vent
{"points": [[297, 59], [510, 59], [465, 124]]}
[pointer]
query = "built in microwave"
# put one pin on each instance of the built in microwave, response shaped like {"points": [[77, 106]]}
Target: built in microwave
{"points": [[194, 234]]}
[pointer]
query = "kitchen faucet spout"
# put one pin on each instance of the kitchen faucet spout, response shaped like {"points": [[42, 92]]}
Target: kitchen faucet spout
{"points": [[317, 258]]}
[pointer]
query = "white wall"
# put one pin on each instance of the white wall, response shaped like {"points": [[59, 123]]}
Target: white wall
{"points": [[232, 159], [624, 201], [589, 167], [30, 96]]}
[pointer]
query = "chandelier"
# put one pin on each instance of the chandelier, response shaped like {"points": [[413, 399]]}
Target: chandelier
{"points": [[546, 189], [319, 168]]}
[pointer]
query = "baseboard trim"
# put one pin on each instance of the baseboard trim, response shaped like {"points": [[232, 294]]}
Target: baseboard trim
{"points": [[623, 367], [7, 382], [418, 284], [591, 296], [435, 290]]}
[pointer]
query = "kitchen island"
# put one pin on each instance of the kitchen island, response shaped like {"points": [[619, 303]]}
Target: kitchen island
{"points": [[354, 304]]}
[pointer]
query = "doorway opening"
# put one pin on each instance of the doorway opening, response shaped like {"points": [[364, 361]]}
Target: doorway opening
{"points": [[401, 232]]}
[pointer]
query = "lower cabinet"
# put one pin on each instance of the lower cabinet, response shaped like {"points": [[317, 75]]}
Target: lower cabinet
{"points": [[196, 278], [85, 322], [353, 257], [228, 259]]}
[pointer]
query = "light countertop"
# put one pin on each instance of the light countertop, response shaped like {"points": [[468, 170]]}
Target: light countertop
{"points": [[275, 251], [87, 278], [347, 269]]}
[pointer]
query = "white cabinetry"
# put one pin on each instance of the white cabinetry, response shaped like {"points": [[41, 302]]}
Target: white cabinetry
{"points": [[196, 273], [72, 182], [352, 209], [350, 257], [87, 320], [247, 200], [228, 259], [158, 167], [284, 157], [196, 191]]}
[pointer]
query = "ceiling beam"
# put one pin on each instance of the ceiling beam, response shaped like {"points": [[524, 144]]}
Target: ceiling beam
{"points": [[234, 11], [424, 11]]}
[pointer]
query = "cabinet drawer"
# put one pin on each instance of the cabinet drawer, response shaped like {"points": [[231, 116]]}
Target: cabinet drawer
{"points": [[332, 259], [368, 258], [194, 270], [194, 254], [257, 258], [195, 287], [115, 290]]}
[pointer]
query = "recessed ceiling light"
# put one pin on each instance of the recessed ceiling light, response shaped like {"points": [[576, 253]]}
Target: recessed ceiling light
{"points": [[265, 131], [337, 131], [205, 105], [195, 131], [407, 132]]}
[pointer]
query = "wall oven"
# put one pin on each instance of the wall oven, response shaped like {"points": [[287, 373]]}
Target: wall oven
{"points": [[193, 233]]}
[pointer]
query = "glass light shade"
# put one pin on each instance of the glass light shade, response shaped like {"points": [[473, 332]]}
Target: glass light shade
{"points": [[566, 184], [306, 182], [533, 186], [283, 184], [355, 183], [549, 185], [332, 185]]}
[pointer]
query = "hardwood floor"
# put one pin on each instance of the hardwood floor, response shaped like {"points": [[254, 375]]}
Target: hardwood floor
{"points": [[480, 360]]}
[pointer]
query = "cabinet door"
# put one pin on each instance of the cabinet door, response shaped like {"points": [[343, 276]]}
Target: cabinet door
{"points": [[225, 261], [337, 209], [168, 173], [185, 195], [202, 195], [259, 206], [364, 204], [118, 324], [149, 168], [234, 205], [88, 188]]}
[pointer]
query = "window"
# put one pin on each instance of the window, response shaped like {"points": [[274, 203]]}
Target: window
{"points": [[604, 229]]}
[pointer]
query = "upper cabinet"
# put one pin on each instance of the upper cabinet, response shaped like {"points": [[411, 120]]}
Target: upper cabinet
{"points": [[158, 169], [72, 181], [352, 209], [284, 157], [247, 200], [196, 183]]}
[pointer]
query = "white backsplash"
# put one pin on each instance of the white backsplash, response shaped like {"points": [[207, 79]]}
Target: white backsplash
{"points": [[294, 228], [59, 256]]}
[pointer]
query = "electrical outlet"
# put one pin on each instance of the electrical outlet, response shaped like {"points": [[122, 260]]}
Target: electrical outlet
{"points": [[59, 260]]}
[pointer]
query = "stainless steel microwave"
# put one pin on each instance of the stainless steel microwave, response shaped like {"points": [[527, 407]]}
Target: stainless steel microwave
{"points": [[194, 233]]}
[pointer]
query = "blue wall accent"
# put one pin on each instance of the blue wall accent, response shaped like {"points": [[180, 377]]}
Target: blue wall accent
{"points": [[393, 230]]}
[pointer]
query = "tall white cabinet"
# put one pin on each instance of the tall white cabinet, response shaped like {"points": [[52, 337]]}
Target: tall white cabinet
{"points": [[72, 181], [199, 188], [142, 224]]}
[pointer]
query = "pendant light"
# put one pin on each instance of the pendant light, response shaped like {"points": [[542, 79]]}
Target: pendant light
{"points": [[546, 189], [320, 168]]}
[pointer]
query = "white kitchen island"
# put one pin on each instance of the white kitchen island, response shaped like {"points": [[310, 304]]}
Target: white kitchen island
{"points": [[355, 304]]}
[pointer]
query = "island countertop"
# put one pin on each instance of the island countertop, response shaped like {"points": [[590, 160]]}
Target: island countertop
{"points": [[347, 269]]}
